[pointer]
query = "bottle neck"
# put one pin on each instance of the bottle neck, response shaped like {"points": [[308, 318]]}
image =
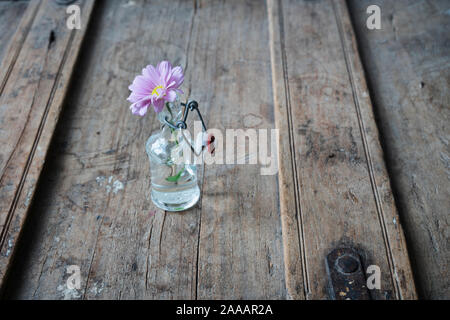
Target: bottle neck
{"points": [[172, 112]]}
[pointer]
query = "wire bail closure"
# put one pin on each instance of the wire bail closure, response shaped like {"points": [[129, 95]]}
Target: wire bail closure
{"points": [[181, 125], [190, 106]]}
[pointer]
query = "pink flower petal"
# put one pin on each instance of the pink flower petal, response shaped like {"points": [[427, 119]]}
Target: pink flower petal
{"points": [[134, 109], [158, 105], [141, 85], [152, 74], [177, 76], [143, 111], [171, 95], [166, 79], [165, 69], [135, 97]]}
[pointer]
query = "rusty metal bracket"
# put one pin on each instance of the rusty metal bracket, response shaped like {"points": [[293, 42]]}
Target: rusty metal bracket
{"points": [[346, 276]]}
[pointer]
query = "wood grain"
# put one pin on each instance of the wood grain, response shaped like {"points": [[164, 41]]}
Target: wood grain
{"points": [[11, 13], [34, 79], [292, 65], [343, 194], [408, 68], [125, 247], [229, 246], [240, 243]]}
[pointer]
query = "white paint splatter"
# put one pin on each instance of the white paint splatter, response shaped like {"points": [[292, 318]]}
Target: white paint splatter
{"points": [[28, 197], [69, 294], [10, 245], [111, 185], [100, 180], [129, 4], [117, 186], [97, 288]]}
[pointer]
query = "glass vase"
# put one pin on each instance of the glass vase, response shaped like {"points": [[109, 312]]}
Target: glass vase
{"points": [[174, 185]]}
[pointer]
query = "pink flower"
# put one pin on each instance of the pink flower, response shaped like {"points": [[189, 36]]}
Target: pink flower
{"points": [[155, 86]]}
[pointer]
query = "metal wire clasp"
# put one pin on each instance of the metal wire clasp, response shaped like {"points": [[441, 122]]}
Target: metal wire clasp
{"points": [[190, 106]]}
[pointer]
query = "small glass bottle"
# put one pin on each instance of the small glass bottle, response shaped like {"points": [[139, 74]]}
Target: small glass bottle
{"points": [[174, 181]]}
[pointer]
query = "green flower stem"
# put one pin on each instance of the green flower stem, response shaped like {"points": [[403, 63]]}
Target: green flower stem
{"points": [[172, 130], [173, 177], [169, 109]]}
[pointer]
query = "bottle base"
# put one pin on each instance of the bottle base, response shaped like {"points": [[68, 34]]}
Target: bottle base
{"points": [[176, 201]]}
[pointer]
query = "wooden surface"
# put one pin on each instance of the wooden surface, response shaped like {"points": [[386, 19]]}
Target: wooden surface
{"points": [[292, 65], [227, 247], [335, 174], [34, 76], [11, 13], [408, 67]]}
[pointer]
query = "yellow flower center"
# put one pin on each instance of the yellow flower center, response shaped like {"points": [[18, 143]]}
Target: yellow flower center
{"points": [[155, 91]]}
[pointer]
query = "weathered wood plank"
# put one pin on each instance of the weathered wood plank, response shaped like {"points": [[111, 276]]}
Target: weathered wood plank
{"points": [[240, 244], [130, 249], [125, 247], [344, 196], [41, 56], [11, 13], [408, 68], [333, 185], [12, 47]]}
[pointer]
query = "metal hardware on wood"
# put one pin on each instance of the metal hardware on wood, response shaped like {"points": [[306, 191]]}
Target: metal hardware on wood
{"points": [[347, 280]]}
